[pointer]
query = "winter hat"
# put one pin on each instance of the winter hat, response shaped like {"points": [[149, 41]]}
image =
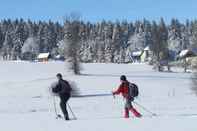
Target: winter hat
{"points": [[123, 78], [59, 75]]}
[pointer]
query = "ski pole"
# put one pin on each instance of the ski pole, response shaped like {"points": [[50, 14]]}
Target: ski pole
{"points": [[55, 109], [113, 94], [72, 112], [54, 104], [154, 114]]}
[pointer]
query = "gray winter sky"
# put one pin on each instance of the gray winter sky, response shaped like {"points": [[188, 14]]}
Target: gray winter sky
{"points": [[97, 10]]}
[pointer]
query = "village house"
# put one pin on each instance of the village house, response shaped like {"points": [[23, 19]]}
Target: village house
{"points": [[43, 57]]}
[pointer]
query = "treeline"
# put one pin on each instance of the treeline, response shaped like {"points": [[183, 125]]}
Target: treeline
{"points": [[14, 35], [105, 41]]}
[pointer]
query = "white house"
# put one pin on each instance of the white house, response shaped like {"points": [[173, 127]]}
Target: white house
{"points": [[141, 55], [43, 57]]}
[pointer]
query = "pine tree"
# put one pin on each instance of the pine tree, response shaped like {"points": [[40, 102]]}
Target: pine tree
{"points": [[18, 37], [7, 46], [1, 38]]}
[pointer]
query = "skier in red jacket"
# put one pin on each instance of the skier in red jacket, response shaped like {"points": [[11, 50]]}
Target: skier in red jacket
{"points": [[124, 90]]}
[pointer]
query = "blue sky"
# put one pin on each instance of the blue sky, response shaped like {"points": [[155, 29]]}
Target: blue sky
{"points": [[97, 10]]}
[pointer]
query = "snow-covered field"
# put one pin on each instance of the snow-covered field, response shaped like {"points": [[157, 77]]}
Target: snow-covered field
{"points": [[27, 105]]}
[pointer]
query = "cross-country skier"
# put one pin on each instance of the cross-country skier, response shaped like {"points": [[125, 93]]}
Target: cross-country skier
{"points": [[63, 88], [124, 90]]}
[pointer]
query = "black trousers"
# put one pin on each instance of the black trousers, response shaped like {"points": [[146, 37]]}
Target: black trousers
{"points": [[63, 104]]}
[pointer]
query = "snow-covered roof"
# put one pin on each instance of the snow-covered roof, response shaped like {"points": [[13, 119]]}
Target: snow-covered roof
{"points": [[43, 55], [186, 53], [147, 48], [183, 53], [137, 53], [57, 56]]}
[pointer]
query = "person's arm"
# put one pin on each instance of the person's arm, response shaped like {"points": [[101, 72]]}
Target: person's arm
{"points": [[118, 91], [56, 89]]}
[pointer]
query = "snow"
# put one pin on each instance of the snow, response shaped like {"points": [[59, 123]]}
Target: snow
{"points": [[27, 105]]}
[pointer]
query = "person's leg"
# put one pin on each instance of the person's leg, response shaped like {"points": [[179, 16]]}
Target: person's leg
{"points": [[130, 107], [63, 105], [134, 111], [127, 107], [64, 110], [66, 100], [126, 113]]}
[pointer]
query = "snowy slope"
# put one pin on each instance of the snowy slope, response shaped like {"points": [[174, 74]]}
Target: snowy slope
{"points": [[27, 105]]}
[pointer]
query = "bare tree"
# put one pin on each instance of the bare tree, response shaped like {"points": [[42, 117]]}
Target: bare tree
{"points": [[159, 44], [30, 49], [72, 40]]}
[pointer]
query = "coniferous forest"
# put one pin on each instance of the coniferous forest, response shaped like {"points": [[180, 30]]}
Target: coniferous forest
{"points": [[105, 41]]}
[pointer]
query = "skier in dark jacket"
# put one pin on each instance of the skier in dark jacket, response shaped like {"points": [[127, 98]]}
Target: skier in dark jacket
{"points": [[124, 90], [63, 88]]}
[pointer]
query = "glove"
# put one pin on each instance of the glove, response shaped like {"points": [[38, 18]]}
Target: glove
{"points": [[113, 94]]}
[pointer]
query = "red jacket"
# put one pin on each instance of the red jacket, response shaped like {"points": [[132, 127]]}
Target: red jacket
{"points": [[123, 89]]}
